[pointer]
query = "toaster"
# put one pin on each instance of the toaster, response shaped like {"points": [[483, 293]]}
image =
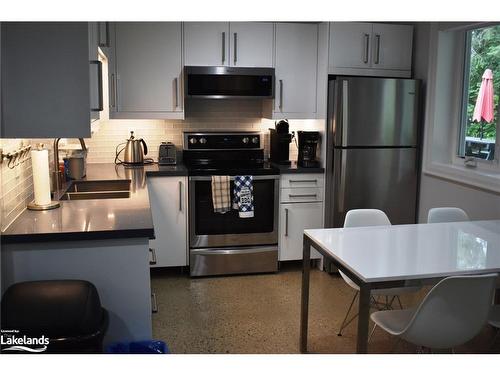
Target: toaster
{"points": [[167, 154]]}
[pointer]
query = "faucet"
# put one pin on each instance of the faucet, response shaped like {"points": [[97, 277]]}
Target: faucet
{"points": [[57, 181]]}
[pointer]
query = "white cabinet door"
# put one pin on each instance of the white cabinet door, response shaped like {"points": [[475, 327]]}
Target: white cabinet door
{"points": [[168, 197], [148, 61], [296, 68], [294, 218], [251, 44], [206, 43], [392, 46], [350, 45]]}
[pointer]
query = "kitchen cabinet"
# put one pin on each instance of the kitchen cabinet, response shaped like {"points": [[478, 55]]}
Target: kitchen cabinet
{"points": [[168, 197], [301, 207], [145, 77], [206, 43], [45, 80], [251, 44], [296, 61], [243, 44], [374, 49]]}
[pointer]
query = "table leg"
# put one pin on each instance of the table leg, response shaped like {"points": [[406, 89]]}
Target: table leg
{"points": [[363, 319], [304, 308]]}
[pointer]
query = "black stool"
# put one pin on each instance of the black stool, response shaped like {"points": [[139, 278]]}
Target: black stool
{"points": [[68, 312]]}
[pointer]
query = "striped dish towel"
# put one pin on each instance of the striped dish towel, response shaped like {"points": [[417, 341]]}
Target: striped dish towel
{"points": [[220, 194]]}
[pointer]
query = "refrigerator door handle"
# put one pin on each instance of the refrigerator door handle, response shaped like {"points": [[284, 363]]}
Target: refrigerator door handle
{"points": [[345, 111], [343, 163]]}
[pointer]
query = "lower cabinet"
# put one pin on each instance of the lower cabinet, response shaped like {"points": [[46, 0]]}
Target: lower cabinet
{"points": [[168, 197], [294, 218], [301, 207]]}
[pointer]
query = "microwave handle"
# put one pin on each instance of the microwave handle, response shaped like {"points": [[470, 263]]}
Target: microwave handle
{"points": [[223, 47]]}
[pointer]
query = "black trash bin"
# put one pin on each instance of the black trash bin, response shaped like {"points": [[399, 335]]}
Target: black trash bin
{"points": [[67, 312]]}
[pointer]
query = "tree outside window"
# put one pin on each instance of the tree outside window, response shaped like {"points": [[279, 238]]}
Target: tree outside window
{"points": [[484, 53]]}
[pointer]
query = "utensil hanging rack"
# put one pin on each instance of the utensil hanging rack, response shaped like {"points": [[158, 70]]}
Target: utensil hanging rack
{"points": [[17, 157]]}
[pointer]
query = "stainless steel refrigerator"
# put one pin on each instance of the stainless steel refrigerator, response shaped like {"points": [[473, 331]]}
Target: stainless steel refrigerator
{"points": [[372, 148]]}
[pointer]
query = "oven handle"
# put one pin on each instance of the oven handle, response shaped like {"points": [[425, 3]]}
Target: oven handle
{"points": [[257, 178], [224, 251]]}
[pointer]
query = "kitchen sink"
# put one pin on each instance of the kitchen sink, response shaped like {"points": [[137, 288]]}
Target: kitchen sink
{"points": [[103, 189]]}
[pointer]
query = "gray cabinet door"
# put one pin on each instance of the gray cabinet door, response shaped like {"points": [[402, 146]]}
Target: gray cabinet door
{"points": [[251, 44], [350, 45], [45, 80], [296, 68], [392, 46], [206, 43], [95, 72], [148, 66]]}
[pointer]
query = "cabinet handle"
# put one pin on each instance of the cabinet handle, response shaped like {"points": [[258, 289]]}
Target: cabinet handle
{"points": [[153, 260], [367, 47], [180, 195], [286, 222], [113, 90], [377, 48], [304, 181], [154, 303], [176, 87], [235, 48], [281, 95], [223, 47], [99, 85], [302, 195]]}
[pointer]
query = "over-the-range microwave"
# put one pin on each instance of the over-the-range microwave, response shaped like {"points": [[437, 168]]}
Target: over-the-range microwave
{"points": [[220, 82]]}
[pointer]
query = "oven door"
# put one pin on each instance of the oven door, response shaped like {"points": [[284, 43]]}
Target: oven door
{"points": [[210, 229]]}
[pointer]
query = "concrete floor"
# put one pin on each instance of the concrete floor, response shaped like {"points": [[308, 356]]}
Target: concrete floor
{"points": [[261, 314]]}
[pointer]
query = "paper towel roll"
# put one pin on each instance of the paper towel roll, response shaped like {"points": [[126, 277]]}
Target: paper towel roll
{"points": [[41, 176]]}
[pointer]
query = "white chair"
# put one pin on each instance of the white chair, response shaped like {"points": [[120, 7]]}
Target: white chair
{"points": [[446, 215], [452, 313], [367, 218]]}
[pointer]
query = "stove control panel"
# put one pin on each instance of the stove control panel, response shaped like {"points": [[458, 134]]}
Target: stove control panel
{"points": [[222, 141]]}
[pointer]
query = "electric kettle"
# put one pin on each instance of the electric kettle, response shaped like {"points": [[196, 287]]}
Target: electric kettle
{"points": [[135, 149]]}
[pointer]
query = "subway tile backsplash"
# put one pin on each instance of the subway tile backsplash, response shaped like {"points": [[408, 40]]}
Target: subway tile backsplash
{"points": [[202, 115]]}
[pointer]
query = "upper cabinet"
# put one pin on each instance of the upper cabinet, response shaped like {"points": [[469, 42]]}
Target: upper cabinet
{"points": [[296, 61], [145, 72], [370, 49], [45, 80], [243, 44], [251, 44]]}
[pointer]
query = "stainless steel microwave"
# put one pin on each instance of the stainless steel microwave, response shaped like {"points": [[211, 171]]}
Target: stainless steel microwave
{"points": [[220, 82]]}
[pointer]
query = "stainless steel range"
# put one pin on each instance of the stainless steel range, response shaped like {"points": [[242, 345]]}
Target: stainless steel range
{"points": [[225, 243]]}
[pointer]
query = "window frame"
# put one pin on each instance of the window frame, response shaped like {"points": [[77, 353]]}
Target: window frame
{"points": [[461, 158]]}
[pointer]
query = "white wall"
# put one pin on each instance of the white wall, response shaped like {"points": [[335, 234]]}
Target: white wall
{"points": [[435, 192]]}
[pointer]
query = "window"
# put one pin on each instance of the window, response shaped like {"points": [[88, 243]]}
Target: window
{"points": [[478, 136]]}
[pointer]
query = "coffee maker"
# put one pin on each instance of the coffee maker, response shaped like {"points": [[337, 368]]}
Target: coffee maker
{"points": [[308, 147], [280, 143]]}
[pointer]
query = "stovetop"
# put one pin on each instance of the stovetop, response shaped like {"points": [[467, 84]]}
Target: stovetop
{"points": [[225, 153]]}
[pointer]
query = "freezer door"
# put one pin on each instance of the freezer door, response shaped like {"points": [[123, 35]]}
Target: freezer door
{"points": [[374, 178], [373, 112]]}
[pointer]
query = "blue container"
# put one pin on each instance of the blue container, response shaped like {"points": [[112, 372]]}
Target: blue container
{"points": [[138, 347]]}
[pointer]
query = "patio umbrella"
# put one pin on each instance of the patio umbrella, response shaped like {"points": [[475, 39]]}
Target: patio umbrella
{"points": [[484, 102]]}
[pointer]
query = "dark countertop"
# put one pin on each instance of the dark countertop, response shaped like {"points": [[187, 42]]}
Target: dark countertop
{"points": [[94, 219], [294, 168]]}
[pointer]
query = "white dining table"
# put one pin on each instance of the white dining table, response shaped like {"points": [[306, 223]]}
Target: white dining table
{"points": [[392, 256]]}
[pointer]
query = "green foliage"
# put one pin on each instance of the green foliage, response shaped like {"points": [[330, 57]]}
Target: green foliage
{"points": [[485, 54]]}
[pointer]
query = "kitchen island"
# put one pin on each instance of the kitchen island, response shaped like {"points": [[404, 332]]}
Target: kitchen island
{"points": [[104, 241]]}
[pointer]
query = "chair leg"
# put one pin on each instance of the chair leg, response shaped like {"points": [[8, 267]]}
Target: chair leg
{"points": [[497, 335], [372, 332], [400, 304], [344, 324]]}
